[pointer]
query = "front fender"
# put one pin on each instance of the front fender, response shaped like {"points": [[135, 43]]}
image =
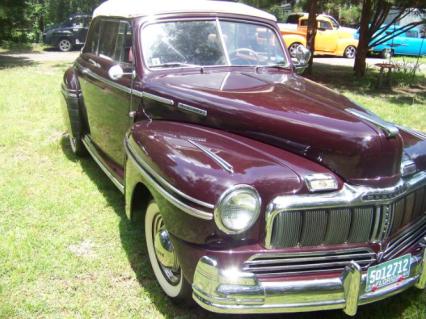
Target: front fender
{"points": [[289, 39], [189, 166]]}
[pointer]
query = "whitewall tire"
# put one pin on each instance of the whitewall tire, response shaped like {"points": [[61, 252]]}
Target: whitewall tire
{"points": [[168, 274]]}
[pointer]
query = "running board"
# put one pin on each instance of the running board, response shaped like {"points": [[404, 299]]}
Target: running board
{"points": [[101, 162]]}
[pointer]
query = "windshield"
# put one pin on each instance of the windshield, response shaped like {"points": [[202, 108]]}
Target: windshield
{"points": [[210, 43]]}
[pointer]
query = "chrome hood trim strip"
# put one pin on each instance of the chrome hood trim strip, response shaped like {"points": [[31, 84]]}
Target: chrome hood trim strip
{"points": [[98, 159], [219, 160], [389, 129]]}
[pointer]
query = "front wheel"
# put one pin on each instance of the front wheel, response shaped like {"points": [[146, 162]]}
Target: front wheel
{"points": [[163, 257], [387, 54], [350, 52], [292, 49], [65, 45]]}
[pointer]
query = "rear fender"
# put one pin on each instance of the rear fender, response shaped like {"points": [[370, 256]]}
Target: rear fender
{"points": [[342, 44], [188, 167], [72, 105]]}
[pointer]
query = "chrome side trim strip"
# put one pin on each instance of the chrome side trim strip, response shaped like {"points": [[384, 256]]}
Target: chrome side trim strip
{"points": [[98, 159], [123, 88], [191, 109], [168, 196], [219, 160], [389, 129], [160, 180], [115, 85], [155, 97]]}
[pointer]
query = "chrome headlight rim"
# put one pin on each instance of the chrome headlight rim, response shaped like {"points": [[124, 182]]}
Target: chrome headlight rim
{"points": [[235, 190]]}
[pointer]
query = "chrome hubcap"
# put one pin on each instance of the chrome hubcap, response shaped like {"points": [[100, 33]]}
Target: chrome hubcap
{"points": [[350, 52], [165, 252], [293, 49], [64, 45]]}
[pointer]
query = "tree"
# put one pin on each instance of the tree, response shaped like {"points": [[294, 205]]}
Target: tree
{"points": [[372, 27], [11, 18], [311, 32]]}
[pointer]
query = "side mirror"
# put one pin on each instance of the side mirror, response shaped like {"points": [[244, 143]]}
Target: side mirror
{"points": [[302, 57], [116, 72]]}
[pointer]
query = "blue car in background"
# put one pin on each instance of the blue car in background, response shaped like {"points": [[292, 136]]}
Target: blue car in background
{"points": [[411, 42]]}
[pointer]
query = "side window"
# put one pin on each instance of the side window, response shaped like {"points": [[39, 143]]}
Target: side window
{"points": [[123, 44], [324, 25], [109, 31], [92, 42], [78, 22], [412, 34], [116, 41]]}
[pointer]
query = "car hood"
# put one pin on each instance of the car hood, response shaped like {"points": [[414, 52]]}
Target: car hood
{"points": [[287, 111]]}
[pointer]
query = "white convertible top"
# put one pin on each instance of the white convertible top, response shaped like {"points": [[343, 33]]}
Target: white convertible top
{"points": [[139, 8]]}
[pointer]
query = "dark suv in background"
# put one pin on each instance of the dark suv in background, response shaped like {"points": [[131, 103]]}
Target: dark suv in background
{"points": [[69, 34]]}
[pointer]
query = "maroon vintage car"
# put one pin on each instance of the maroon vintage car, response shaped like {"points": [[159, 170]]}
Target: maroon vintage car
{"points": [[261, 191]]}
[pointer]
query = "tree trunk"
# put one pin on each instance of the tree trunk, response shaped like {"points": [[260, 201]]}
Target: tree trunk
{"points": [[362, 50], [311, 32]]}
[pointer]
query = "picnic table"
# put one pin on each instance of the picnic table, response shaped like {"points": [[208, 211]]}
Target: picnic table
{"points": [[385, 75]]}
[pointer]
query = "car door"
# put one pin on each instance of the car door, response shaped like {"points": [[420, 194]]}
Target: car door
{"points": [[107, 100], [412, 43], [326, 38]]}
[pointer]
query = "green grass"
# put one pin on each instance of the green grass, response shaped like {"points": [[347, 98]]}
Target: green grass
{"points": [[66, 248], [404, 103], [13, 47]]}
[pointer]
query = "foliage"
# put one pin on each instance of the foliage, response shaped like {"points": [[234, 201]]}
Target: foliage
{"points": [[25, 20], [373, 26]]}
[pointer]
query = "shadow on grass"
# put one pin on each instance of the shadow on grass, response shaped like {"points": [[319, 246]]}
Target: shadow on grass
{"points": [[8, 62], [133, 242]]}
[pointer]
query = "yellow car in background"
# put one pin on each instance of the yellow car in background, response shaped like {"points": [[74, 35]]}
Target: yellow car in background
{"points": [[331, 38]]}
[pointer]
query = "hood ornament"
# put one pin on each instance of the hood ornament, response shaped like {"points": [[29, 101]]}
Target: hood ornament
{"points": [[389, 129]]}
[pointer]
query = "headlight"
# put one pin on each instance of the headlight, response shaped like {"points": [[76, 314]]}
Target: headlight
{"points": [[237, 209]]}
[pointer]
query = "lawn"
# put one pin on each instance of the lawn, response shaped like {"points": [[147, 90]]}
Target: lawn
{"points": [[66, 248]]}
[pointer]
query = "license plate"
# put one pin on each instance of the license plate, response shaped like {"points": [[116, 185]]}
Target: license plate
{"points": [[388, 273]]}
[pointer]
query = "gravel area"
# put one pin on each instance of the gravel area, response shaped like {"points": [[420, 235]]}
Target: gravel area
{"points": [[51, 56], [37, 57]]}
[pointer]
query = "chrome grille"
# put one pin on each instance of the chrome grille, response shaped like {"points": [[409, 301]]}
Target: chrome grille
{"points": [[406, 239], [372, 223], [307, 262]]}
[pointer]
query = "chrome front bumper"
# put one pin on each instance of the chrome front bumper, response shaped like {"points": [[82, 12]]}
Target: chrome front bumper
{"points": [[232, 291]]}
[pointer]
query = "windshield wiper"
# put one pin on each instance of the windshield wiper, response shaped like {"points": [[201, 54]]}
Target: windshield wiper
{"points": [[274, 66], [173, 65]]}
